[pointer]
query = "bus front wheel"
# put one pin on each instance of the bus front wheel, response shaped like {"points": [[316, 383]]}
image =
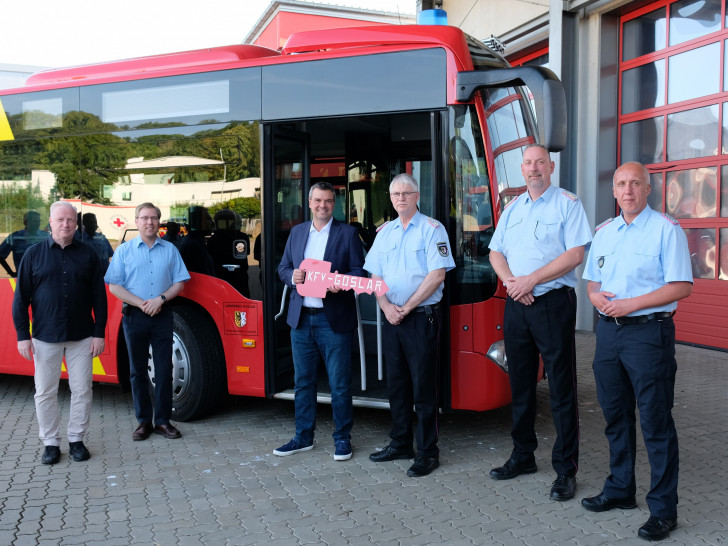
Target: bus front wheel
{"points": [[198, 365]]}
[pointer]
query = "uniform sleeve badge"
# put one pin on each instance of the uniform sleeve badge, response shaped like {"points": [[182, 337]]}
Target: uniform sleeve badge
{"points": [[442, 249]]}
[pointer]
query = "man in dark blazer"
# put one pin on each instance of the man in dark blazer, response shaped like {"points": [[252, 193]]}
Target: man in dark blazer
{"points": [[321, 327]]}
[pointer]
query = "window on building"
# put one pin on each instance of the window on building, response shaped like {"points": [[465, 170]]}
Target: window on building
{"points": [[673, 94]]}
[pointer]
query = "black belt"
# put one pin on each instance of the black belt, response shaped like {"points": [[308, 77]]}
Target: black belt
{"points": [[641, 319], [312, 310], [554, 291], [427, 308]]}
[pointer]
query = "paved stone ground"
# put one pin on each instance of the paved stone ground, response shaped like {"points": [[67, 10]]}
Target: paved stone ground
{"points": [[220, 484]]}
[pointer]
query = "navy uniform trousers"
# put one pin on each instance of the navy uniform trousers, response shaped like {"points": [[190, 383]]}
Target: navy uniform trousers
{"points": [[411, 358], [547, 327], [637, 362]]}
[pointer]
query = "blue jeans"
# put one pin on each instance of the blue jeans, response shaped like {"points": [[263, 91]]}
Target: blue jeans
{"points": [[312, 340]]}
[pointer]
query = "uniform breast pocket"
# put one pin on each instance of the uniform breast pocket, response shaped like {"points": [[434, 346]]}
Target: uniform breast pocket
{"points": [[388, 256], [546, 228], [417, 256], [647, 259], [604, 257]]}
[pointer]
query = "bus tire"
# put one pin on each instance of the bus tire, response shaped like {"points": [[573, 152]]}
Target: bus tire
{"points": [[198, 364]]}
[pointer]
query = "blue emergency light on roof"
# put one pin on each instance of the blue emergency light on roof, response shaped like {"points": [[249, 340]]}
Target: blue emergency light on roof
{"points": [[432, 17]]}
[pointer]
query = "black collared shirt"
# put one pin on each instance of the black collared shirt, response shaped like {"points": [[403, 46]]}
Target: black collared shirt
{"points": [[62, 286]]}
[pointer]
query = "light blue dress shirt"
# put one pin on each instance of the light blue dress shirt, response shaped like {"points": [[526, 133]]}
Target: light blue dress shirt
{"points": [[404, 257], [146, 272], [531, 234], [634, 259]]}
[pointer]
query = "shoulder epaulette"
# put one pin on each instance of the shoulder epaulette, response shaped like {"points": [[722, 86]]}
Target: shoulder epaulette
{"points": [[382, 226], [600, 226], [434, 223], [669, 218], [568, 194]]}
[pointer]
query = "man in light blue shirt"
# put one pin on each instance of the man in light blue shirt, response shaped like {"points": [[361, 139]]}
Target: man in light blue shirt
{"points": [[638, 268], [412, 255], [539, 240], [146, 273]]}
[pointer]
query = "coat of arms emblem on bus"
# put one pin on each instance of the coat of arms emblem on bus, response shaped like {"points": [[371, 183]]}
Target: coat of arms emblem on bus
{"points": [[240, 319]]}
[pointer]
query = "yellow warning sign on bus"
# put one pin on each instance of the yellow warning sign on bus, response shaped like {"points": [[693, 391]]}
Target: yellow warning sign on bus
{"points": [[5, 132]]}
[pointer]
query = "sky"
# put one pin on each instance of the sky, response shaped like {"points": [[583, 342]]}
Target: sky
{"points": [[53, 33]]}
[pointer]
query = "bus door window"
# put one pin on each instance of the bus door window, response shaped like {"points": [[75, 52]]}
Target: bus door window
{"points": [[471, 225], [510, 128], [360, 212], [285, 189]]}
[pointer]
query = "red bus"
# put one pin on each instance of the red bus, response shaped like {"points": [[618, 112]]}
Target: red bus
{"points": [[240, 124]]}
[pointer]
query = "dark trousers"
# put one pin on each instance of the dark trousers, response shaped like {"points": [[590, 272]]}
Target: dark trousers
{"points": [[546, 327], [141, 331], [636, 363], [411, 357]]}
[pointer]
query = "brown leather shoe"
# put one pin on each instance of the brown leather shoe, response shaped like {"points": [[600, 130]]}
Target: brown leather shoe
{"points": [[142, 432], [168, 431]]}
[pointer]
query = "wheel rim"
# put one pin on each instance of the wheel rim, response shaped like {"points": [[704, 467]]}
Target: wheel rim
{"points": [[180, 368]]}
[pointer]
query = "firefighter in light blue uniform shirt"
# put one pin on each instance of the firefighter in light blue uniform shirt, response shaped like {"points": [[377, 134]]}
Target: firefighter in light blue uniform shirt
{"points": [[532, 233], [539, 241], [403, 258], [412, 255], [634, 259], [638, 268]]}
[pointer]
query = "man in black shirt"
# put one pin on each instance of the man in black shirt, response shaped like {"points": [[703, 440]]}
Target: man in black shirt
{"points": [[62, 281]]}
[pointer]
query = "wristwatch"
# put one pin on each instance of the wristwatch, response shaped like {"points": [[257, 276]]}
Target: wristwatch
{"points": [[164, 298]]}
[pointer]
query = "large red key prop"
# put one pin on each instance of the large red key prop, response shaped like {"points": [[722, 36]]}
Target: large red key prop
{"points": [[319, 278]]}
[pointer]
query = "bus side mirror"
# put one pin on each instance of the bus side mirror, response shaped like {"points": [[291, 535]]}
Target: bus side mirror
{"points": [[548, 96]]}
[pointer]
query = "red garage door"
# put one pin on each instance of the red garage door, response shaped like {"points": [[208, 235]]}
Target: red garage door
{"points": [[673, 93]]}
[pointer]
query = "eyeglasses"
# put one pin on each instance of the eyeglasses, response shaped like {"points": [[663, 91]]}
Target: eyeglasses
{"points": [[405, 194], [147, 218]]}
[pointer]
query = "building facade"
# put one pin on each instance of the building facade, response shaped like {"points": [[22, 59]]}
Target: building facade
{"points": [[284, 17]]}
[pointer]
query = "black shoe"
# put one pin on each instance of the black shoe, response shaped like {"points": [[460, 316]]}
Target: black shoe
{"points": [[602, 503], [78, 451], [168, 431], [142, 432], [51, 455], [513, 468], [563, 488], [657, 528], [423, 466], [390, 453]]}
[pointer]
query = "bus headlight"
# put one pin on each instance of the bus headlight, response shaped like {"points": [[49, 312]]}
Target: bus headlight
{"points": [[497, 353]]}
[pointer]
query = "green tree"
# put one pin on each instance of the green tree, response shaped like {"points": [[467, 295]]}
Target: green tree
{"points": [[246, 207], [16, 200], [83, 163]]}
